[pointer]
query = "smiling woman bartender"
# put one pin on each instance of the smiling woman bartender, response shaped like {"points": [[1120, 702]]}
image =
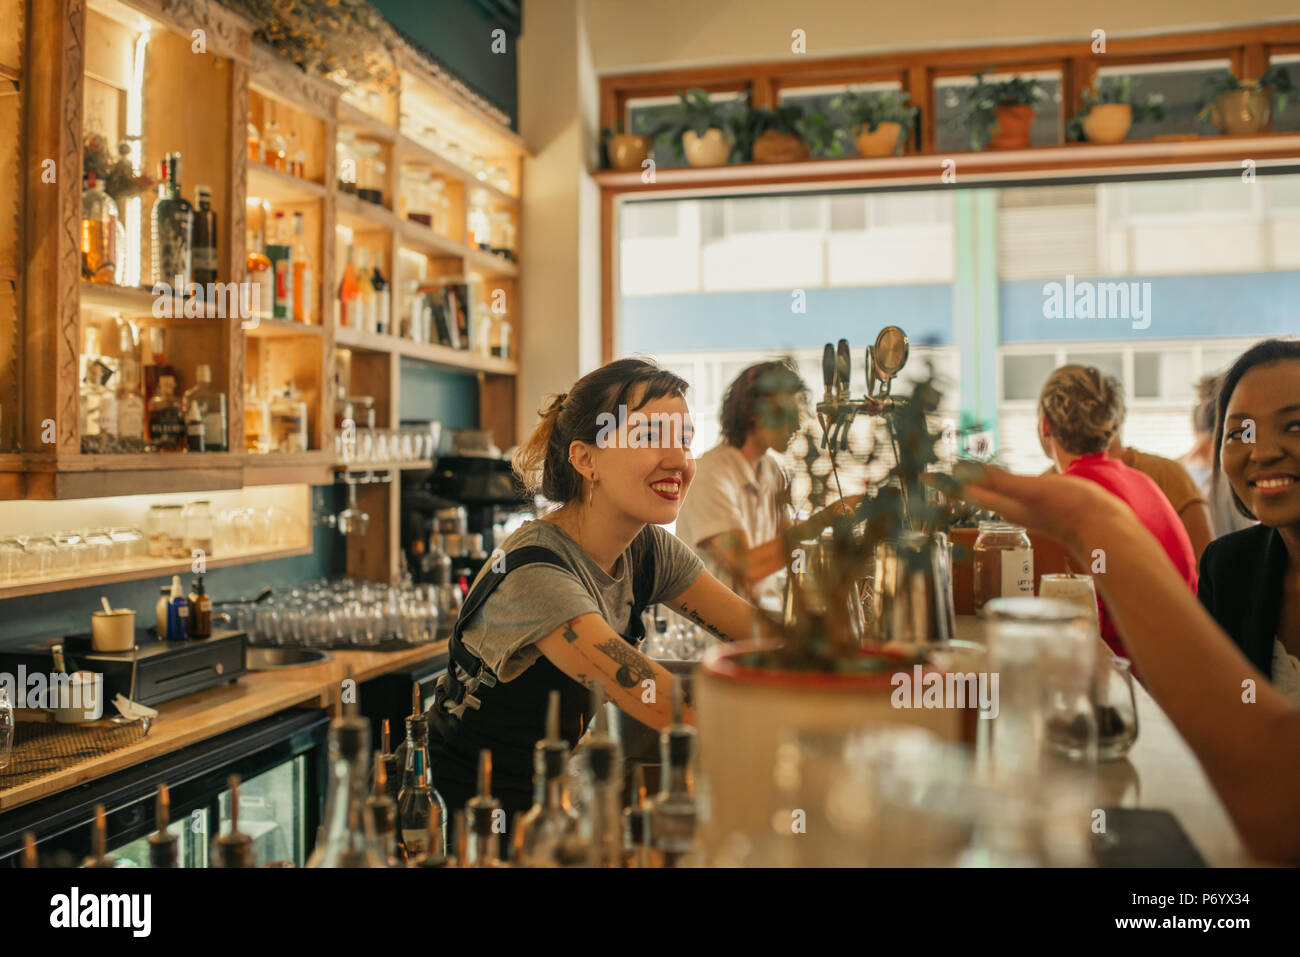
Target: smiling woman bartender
{"points": [[561, 609]]}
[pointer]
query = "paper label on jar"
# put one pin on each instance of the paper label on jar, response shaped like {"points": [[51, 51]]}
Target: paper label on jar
{"points": [[1017, 572]]}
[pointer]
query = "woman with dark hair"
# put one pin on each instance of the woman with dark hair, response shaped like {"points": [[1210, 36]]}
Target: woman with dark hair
{"points": [[1199, 461], [1250, 579], [558, 607]]}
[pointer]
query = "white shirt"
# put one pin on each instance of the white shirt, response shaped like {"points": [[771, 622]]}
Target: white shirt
{"points": [[730, 495]]}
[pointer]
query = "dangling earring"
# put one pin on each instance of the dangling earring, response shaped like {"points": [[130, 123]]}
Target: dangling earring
{"points": [[591, 491]]}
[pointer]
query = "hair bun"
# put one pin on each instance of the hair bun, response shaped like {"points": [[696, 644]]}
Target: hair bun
{"points": [[556, 404]]}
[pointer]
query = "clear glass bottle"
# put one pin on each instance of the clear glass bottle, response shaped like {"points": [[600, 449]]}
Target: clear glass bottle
{"points": [[130, 392], [1004, 563], [261, 278], [485, 815], [172, 228], [349, 831], [351, 305], [98, 405], [345, 151], [257, 421], [100, 226], [166, 418], [674, 813], [547, 832], [636, 823], [274, 147], [289, 421], [601, 825], [280, 251], [477, 221], [211, 403], [383, 812], [369, 305], [383, 301], [418, 799]]}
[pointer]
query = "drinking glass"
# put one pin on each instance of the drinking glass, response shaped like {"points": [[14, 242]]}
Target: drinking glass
{"points": [[1076, 589], [6, 727], [1117, 719], [12, 555]]}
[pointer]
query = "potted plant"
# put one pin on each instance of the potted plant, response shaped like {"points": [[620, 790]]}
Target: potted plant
{"points": [[1000, 113], [1244, 106], [880, 120], [1108, 111], [766, 135], [698, 128], [823, 671], [627, 151]]}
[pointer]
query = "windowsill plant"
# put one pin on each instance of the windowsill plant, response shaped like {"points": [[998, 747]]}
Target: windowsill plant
{"points": [[999, 113], [1109, 111], [1243, 107], [698, 128], [879, 121]]}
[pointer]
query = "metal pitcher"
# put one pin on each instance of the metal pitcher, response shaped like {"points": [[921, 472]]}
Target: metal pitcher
{"points": [[911, 600]]}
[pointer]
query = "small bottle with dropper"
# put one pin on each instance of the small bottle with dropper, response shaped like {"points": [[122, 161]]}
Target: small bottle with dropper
{"points": [[602, 825], [162, 844], [549, 828], [486, 819], [674, 813], [99, 841], [234, 849], [636, 824]]}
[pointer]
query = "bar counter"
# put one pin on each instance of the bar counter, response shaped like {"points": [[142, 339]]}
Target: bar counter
{"points": [[197, 717]]}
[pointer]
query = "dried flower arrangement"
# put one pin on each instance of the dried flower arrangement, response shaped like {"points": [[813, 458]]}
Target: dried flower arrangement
{"points": [[113, 167]]}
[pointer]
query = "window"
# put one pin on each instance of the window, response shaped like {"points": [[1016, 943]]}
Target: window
{"points": [[1107, 363], [651, 221], [848, 213], [1023, 376], [1181, 84], [950, 101]]}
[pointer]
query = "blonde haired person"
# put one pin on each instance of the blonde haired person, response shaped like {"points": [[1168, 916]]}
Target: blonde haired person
{"points": [[1079, 415]]}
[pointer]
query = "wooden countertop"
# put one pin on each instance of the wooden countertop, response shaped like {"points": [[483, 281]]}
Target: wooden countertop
{"points": [[1160, 773], [254, 696]]}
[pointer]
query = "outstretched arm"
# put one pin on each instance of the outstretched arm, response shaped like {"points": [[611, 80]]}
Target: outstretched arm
{"points": [[1251, 751]]}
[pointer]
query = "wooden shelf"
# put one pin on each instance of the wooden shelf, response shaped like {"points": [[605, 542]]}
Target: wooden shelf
{"points": [[349, 337], [361, 216], [11, 73], [136, 302], [289, 468], [1044, 162], [461, 359], [351, 467], [489, 265], [277, 186], [283, 328], [410, 149], [152, 461], [147, 568], [425, 240], [355, 118]]}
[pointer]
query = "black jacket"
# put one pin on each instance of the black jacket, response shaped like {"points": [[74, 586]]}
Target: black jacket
{"points": [[1241, 586]]}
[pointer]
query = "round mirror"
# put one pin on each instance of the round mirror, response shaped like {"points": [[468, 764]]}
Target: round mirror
{"points": [[890, 352]]}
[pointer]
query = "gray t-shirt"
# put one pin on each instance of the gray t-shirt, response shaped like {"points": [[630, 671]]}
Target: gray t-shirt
{"points": [[534, 600]]}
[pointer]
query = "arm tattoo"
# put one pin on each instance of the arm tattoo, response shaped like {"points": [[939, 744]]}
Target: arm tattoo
{"points": [[632, 668], [569, 634], [694, 616]]}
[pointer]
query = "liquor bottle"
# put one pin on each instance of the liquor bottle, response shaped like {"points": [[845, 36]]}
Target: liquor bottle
{"points": [[194, 428], [162, 844], [602, 825], [200, 603], [483, 330], [274, 147], [261, 278], [130, 396], [501, 339], [383, 306], [486, 819], [172, 229], [212, 409], [160, 611], [99, 233], [549, 829], [350, 304], [204, 258], [98, 402], [303, 277], [234, 849], [166, 421], [384, 814], [99, 842], [178, 613], [392, 765], [280, 253], [288, 421], [418, 799], [636, 824], [257, 421], [349, 832], [674, 813], [157, 366], [367, 286]]}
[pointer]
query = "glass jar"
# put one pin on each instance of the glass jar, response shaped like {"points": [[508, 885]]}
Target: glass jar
{"points": [[477, 222], [438, 205], [369, 185], [415, 191], [11, 560], [166, 529], [1004, 563], [198, 528], [1117, 719], [99, 551], [102, 235], [128, 543], [345, 153], [289, 422], [275, 149], [70, 553], [41, 557]]}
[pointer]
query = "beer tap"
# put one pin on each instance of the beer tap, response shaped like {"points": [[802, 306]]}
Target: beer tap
{"points": [[838, 409]]}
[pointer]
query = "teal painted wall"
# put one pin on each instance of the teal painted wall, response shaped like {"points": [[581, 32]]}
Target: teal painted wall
{"points": [[458, 33], [430, 393]]}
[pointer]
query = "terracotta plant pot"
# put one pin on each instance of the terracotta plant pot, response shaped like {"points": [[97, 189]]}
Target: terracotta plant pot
{"points": [[711, 149], [774, 147], [1242, 112], [627, 151], [1012, 131], [1108, 123], [882, 141], [743, 712]]}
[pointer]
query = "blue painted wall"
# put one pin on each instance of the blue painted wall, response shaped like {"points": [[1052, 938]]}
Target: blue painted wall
{"points": [[430, 393]]}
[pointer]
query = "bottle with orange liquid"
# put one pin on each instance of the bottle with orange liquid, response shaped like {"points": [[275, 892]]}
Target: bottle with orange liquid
{"points": [[350, 296], [303, 277]]}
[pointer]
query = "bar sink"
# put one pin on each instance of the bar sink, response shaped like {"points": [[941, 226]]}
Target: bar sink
{"points": [[276, 658]]}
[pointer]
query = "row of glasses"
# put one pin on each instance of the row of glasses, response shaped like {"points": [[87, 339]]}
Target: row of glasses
{"points": [[344, 613], [245, 529], [68, 553], [383, 445]]}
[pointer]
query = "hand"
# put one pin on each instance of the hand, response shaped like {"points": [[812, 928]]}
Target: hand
{"points": [[1063, 506]]}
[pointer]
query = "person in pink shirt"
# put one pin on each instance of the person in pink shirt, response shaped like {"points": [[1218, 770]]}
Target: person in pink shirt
{"points": [[1079, 412]]}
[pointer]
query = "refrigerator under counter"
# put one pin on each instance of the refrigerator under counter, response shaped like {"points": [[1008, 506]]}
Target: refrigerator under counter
{"points": [[161, 670]]}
